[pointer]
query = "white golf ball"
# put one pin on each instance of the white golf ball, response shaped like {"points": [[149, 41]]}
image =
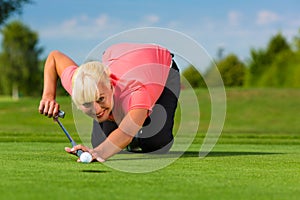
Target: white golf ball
{"points": [[86, 157]]}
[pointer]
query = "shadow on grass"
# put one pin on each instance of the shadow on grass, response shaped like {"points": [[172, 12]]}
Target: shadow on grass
{"points": [[189, 154], [225, 153], [94, 171]]}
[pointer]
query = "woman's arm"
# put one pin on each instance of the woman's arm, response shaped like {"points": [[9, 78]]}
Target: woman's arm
{"points": [[123, 135], [119, 138], [55, 64]]}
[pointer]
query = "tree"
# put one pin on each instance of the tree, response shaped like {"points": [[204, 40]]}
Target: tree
{"points": [[8, 7], [277, 44], [263, 59], [232, 71], [20, 60], [194, 78], [296, 41]]}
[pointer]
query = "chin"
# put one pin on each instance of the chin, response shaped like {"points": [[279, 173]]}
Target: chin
{"points": [[102, 119]]}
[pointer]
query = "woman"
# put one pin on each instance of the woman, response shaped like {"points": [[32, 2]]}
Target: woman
{"points": [[132, 96]]}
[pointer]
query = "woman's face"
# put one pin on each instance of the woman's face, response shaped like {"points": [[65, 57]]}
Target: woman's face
{"points": [[101, 108]]}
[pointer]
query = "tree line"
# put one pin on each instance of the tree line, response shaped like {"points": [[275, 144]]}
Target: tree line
{"points": [[21, 65], [276, 65]]}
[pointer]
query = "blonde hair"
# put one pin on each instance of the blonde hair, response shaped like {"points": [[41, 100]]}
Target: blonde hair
{"points": [[85, 87]]}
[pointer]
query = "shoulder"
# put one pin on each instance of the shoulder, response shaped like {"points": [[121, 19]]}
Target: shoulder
{"points": [[67, 77]]}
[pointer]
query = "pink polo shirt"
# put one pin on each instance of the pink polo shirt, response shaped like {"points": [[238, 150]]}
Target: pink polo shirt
{"points": [[138, 72]]}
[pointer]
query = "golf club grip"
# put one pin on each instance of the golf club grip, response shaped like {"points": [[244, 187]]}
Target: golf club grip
{"points": [[61, 114], [79, 152]]}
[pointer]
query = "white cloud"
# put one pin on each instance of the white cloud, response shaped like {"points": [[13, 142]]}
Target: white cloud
{"points": [[266, 17], [69, 23], [174, 23], [152, 19], [234, 18], [81, 26], [102, 20]]}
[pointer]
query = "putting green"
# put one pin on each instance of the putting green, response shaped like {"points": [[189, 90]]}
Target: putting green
{"points": [[256, 157]]}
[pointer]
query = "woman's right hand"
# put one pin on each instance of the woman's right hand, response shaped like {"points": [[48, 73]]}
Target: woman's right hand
{"points": [[55, 64], [49, 107]]}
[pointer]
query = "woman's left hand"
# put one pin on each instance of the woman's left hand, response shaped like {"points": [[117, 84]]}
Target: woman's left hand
{"points": [[83, 148]]}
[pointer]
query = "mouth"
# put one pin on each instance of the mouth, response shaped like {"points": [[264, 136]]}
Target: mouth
{"points": [[99, 115]]}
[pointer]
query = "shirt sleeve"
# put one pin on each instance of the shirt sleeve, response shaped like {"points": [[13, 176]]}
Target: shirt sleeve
{"points": [[140, 99], [66, 78]]}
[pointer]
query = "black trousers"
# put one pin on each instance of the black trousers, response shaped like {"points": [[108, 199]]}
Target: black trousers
{"points": [[156, 135]]}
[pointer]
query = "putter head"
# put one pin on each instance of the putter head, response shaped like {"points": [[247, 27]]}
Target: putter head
{"points": [[61, 114]]}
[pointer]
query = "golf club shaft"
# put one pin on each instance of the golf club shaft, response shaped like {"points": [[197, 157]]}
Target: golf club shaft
{"points": [[78, 152], [67, 134]]}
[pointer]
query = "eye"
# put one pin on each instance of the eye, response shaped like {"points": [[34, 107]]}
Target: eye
{"points": [[100, 100], [87, 105]]}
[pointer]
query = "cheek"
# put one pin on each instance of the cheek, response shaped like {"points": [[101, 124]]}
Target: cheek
{"points": [[111, 102], [89, 111]]}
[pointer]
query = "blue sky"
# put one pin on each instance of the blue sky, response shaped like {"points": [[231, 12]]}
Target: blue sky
{"points": [[77, 26]]}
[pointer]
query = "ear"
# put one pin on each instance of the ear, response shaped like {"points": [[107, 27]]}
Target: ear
{"points": [[112, 87]]}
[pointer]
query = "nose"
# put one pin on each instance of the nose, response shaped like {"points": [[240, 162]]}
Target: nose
{"points": [[98, 108]]}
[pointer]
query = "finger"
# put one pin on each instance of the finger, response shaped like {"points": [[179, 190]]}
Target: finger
{"points": [[49, 113], [68, 150], [80, 147], [96, 157], [56, 109], [41, 107], [51, 108], [46, 108], [99, 159]]}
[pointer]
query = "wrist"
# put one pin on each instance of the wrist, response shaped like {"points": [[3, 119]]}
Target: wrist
{"points": [[49, 95]]}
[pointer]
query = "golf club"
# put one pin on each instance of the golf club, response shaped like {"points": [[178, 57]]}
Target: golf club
{"points": [[61, 114]]}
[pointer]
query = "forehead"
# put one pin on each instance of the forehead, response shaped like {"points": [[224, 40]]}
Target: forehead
{"points": [[103, 89]]}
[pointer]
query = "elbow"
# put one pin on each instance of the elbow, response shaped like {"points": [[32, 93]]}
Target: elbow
{"points": [[54, 53]]}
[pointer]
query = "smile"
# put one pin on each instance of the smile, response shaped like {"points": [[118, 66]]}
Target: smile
{"points": [[99, 115]]}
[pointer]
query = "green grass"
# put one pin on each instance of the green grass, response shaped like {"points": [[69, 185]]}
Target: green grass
{"points": [[256, 157]]}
